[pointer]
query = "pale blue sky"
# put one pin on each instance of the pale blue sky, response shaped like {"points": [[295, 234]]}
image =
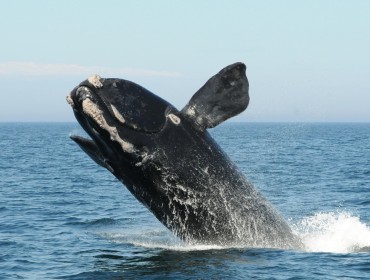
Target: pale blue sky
{"points": [[306, 60]]}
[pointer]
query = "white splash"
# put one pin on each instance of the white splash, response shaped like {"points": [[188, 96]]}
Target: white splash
{"points": [[334, 232], [330, 232]]}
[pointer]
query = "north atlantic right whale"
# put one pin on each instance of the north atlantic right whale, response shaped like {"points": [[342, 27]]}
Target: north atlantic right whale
{"points": [[170, 163]]}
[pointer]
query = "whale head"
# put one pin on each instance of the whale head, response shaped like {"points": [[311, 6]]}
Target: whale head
{"points": [[120, 117]]}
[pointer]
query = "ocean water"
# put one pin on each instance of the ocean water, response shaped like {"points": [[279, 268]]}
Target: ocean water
{"points": [[64, 217]]}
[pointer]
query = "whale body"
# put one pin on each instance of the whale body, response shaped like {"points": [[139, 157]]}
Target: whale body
{"points": [[170, 163]]}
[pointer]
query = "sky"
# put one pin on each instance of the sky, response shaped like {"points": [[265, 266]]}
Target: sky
{"points": [[306, 60]]}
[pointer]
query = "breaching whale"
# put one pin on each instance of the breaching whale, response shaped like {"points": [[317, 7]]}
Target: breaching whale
{"points": [[170, 163]]}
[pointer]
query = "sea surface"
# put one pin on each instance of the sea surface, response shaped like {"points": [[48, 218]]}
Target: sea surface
{"points": [[64, 217]]}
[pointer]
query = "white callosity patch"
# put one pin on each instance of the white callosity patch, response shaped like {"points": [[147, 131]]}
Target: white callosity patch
{"points": [[92, 110], [70, 101], [117, 114], [175, 119], [96, 81]]}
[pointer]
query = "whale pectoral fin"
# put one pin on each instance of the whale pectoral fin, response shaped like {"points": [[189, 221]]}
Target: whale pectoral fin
{"points": [[90, 148], [222, 97]]}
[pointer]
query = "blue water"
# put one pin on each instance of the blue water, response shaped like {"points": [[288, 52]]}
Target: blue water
{"points": [[64, 217]]}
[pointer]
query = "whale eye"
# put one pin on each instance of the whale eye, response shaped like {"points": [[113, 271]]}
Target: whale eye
{"points": [[175, 119]]}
